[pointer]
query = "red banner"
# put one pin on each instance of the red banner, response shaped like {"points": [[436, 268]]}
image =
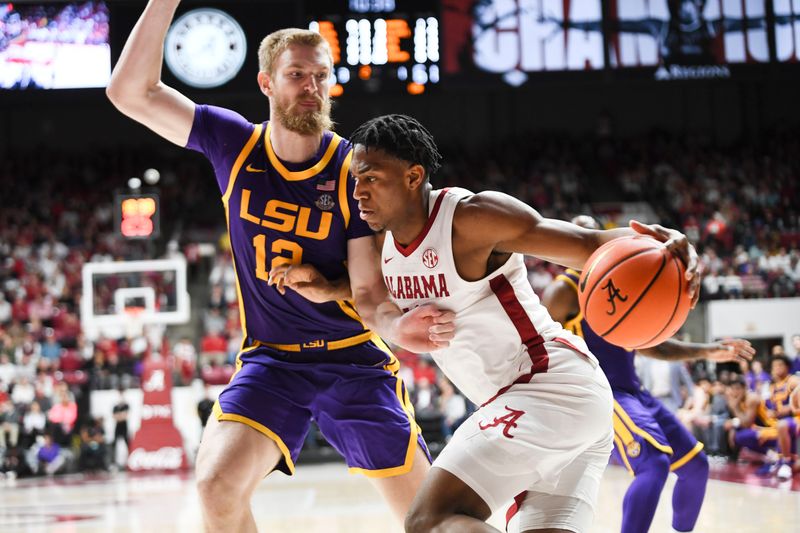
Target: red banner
{"points": [[158, 444]]}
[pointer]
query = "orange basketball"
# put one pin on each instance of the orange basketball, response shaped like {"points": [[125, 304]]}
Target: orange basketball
{"points": [[633, 292]]}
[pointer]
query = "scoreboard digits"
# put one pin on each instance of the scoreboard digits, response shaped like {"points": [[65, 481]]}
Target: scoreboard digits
{"points": [[137, 216], [380, 41]]}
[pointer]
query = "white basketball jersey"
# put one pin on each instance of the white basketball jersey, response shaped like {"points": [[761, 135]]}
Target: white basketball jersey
{"points": [[502, 330]]}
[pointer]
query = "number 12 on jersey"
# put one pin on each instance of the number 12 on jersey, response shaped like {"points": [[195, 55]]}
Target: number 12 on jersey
{"points": [[278, 246]]}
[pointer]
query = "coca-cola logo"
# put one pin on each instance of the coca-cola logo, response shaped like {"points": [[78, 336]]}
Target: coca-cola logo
{"points": [[166, 458]]}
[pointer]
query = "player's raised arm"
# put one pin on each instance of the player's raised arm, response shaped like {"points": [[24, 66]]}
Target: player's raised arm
{"points": [[136, 88], [507, 225]]}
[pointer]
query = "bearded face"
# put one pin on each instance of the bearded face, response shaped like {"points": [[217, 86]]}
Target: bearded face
{"points": [[306, 114], [299, 89]]}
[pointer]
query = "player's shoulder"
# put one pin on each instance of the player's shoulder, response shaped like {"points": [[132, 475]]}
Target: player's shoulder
{"points": [[222, 115], [216, 129], [483, 200], [481, 217], [561, 298], [476, 209], [344, 143]]}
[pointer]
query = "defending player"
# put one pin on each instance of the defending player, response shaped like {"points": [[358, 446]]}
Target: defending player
{"points": [[543, 433], [649, 440], [287, 199]]}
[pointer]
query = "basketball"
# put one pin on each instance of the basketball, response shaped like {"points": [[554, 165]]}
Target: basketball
{"points": [[633, 292]]}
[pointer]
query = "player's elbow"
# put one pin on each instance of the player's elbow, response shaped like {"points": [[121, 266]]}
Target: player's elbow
{"points": [[122, 98], [127, 97]]}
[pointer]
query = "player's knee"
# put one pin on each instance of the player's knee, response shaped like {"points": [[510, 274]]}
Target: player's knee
{"points": [[218, 491], [424, 517], [657, 467], [696, 468], [700, 464], [783, 427], [419, 520], [430, 516]]}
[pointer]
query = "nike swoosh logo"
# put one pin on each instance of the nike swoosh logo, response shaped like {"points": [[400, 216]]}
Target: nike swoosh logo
{"points": [[387, 260], [250, 168]]}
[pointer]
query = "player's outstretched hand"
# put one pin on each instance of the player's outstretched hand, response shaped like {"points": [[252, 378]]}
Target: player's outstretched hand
{"points": [[678, 244], [425, 329], [731, 350], [307, 281]]}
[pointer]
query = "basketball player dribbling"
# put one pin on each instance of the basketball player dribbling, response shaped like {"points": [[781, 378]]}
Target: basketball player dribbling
{"points": [[288, 200], [649, 440], [543, 434]]}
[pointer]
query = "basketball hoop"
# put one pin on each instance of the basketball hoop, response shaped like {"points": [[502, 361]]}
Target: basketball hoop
{"points": [[153, 296]]}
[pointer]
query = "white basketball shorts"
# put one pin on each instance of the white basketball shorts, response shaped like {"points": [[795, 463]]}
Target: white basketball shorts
{"points": [[543, 444]]}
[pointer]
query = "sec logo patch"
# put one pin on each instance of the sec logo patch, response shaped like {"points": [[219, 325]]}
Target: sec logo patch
{"points": [[430, 258]]}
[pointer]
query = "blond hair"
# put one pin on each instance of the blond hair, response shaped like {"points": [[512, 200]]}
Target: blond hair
{"points": [[276, 42]]}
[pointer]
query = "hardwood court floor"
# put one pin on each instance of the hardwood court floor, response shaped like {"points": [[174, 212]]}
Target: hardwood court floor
{"points": [[326, 499]]}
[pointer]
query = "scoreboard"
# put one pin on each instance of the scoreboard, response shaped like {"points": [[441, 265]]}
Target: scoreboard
{"points": [[377, 43], [137, 216]]}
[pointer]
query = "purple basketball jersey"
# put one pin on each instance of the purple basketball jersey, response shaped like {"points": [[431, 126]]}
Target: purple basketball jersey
{"points": [[280, 212]]}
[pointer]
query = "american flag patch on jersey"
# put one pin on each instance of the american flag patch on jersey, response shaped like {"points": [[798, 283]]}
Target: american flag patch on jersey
{"points": [[326, 185]]}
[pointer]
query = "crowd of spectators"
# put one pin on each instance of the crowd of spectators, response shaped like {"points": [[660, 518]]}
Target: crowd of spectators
{"points": [[78, 23]]}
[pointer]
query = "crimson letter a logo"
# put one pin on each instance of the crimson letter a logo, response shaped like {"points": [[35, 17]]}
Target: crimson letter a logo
{"points": [[508, 420]]}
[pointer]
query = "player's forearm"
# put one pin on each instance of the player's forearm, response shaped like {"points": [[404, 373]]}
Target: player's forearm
{"points": [[377, 311], [138, 71], [604, 236], [675, 350], [340, 289], [567, 245], [384, 320], [594, 240]]}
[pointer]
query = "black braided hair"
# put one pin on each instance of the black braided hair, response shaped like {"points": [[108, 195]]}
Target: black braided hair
{"points": [[400, 136]]}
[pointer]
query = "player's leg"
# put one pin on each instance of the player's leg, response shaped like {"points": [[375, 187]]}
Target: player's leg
{"points": [[522, 441], [445, 503], [570, 506], [232, 460], [691, 466], [642, 447], [641, 499], [689, 492], [367, 416], [399, 491], [258, 424]]}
